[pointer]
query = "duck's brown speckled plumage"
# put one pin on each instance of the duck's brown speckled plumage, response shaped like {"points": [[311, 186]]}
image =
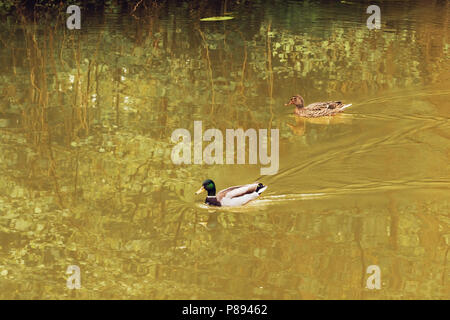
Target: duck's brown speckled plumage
{"points": [[317, 109]]}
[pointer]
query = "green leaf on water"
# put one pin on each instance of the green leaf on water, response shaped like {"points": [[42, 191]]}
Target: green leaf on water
{"points": [[219, 18]]}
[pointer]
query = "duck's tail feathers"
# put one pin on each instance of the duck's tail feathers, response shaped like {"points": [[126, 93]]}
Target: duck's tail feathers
{"points": [[261, 190], [345, 106]]}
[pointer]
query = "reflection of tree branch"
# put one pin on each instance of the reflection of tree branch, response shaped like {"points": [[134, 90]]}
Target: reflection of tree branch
{"points": [[357, 229], [269, 61], [210, 70], [61, 59], [76, 177], [180, 220], [270, 71], [135, 7], [38, 78], [445, 268], [243, 70], [118, 82]]}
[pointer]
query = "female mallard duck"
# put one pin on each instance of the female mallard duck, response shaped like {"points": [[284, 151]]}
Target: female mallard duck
{"points": [[233, 196], [317, 109]]}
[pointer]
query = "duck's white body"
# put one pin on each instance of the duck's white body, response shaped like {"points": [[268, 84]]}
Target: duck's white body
{"points": [[231, 197], [239, 195]]}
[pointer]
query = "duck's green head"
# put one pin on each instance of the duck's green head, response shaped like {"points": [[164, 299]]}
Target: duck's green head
{"points": [[209, 186]]}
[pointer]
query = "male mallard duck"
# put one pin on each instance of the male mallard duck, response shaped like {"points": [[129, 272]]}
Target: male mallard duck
{"points": [[232, 196], [317, 109]]}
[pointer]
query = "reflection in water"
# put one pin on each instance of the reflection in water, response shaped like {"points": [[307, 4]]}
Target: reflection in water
{"points": [[299, 128], [86, 119]]}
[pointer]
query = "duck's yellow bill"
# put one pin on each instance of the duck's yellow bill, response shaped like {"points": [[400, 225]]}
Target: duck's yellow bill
{"points": [[200, 190]]}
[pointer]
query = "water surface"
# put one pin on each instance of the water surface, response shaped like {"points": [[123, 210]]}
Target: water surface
{"points": [[87, 179]]}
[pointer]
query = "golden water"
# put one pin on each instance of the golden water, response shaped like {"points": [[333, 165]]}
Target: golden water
{"points": [[86, 176]]}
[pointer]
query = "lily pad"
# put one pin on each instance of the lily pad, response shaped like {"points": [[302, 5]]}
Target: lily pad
{"points": [[219, 18]]}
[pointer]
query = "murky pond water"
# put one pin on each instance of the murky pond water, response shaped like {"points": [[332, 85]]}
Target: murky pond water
{"points": [[86, 118]]}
